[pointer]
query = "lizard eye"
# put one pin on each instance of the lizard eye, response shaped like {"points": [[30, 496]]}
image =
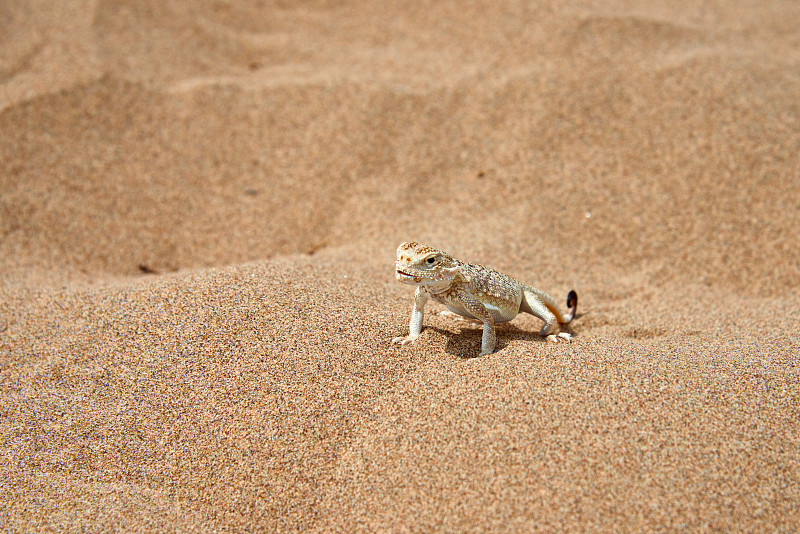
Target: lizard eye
{"points": [[431, 260]]}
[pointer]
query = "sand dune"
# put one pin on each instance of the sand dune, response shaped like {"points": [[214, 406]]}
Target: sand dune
{"points": [[199, 206]]}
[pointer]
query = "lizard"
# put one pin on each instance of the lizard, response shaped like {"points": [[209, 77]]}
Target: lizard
{"points": [[476, 292]]}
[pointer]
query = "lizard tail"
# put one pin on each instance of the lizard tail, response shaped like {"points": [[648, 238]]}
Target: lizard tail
{"points": [[572, 306]]}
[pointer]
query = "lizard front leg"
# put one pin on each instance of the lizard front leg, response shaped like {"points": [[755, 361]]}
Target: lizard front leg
{"points": [[417, 313]]}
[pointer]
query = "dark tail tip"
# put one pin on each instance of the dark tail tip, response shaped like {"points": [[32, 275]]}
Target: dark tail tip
{"points": [[572, 304], [572, 299]]}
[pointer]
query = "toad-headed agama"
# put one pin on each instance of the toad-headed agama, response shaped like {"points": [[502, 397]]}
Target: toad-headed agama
{"points": [[475, 292]]}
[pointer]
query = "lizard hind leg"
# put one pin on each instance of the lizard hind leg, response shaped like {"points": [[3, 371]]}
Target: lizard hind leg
{"points": [[539, 304]]}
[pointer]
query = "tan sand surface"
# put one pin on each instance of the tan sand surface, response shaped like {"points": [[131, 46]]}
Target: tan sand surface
{"points": [[199, 206]]}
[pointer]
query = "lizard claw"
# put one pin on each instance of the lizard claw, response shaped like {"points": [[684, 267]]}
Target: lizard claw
{"points": [[561, 337]]}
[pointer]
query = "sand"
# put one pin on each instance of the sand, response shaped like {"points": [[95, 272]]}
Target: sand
{"points": [[199, 207]]}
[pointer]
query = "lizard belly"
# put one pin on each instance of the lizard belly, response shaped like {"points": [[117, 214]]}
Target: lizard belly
{"points": [[458, 310], [498, 314]]}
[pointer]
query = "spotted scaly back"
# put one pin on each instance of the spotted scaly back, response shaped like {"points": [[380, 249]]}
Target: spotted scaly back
{"points": [[487, 281]]}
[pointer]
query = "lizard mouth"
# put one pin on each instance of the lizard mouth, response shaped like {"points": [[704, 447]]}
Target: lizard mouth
{"points": [[405, 277]]}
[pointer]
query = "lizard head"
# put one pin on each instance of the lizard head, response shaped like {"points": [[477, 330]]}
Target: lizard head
{"points": [[418, 264]]}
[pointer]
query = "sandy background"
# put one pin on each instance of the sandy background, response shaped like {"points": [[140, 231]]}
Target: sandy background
{"points": [[199, 206]]}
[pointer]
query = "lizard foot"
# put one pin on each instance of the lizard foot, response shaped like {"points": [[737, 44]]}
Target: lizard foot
{"points": [[561, 337], [404, 340]]}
